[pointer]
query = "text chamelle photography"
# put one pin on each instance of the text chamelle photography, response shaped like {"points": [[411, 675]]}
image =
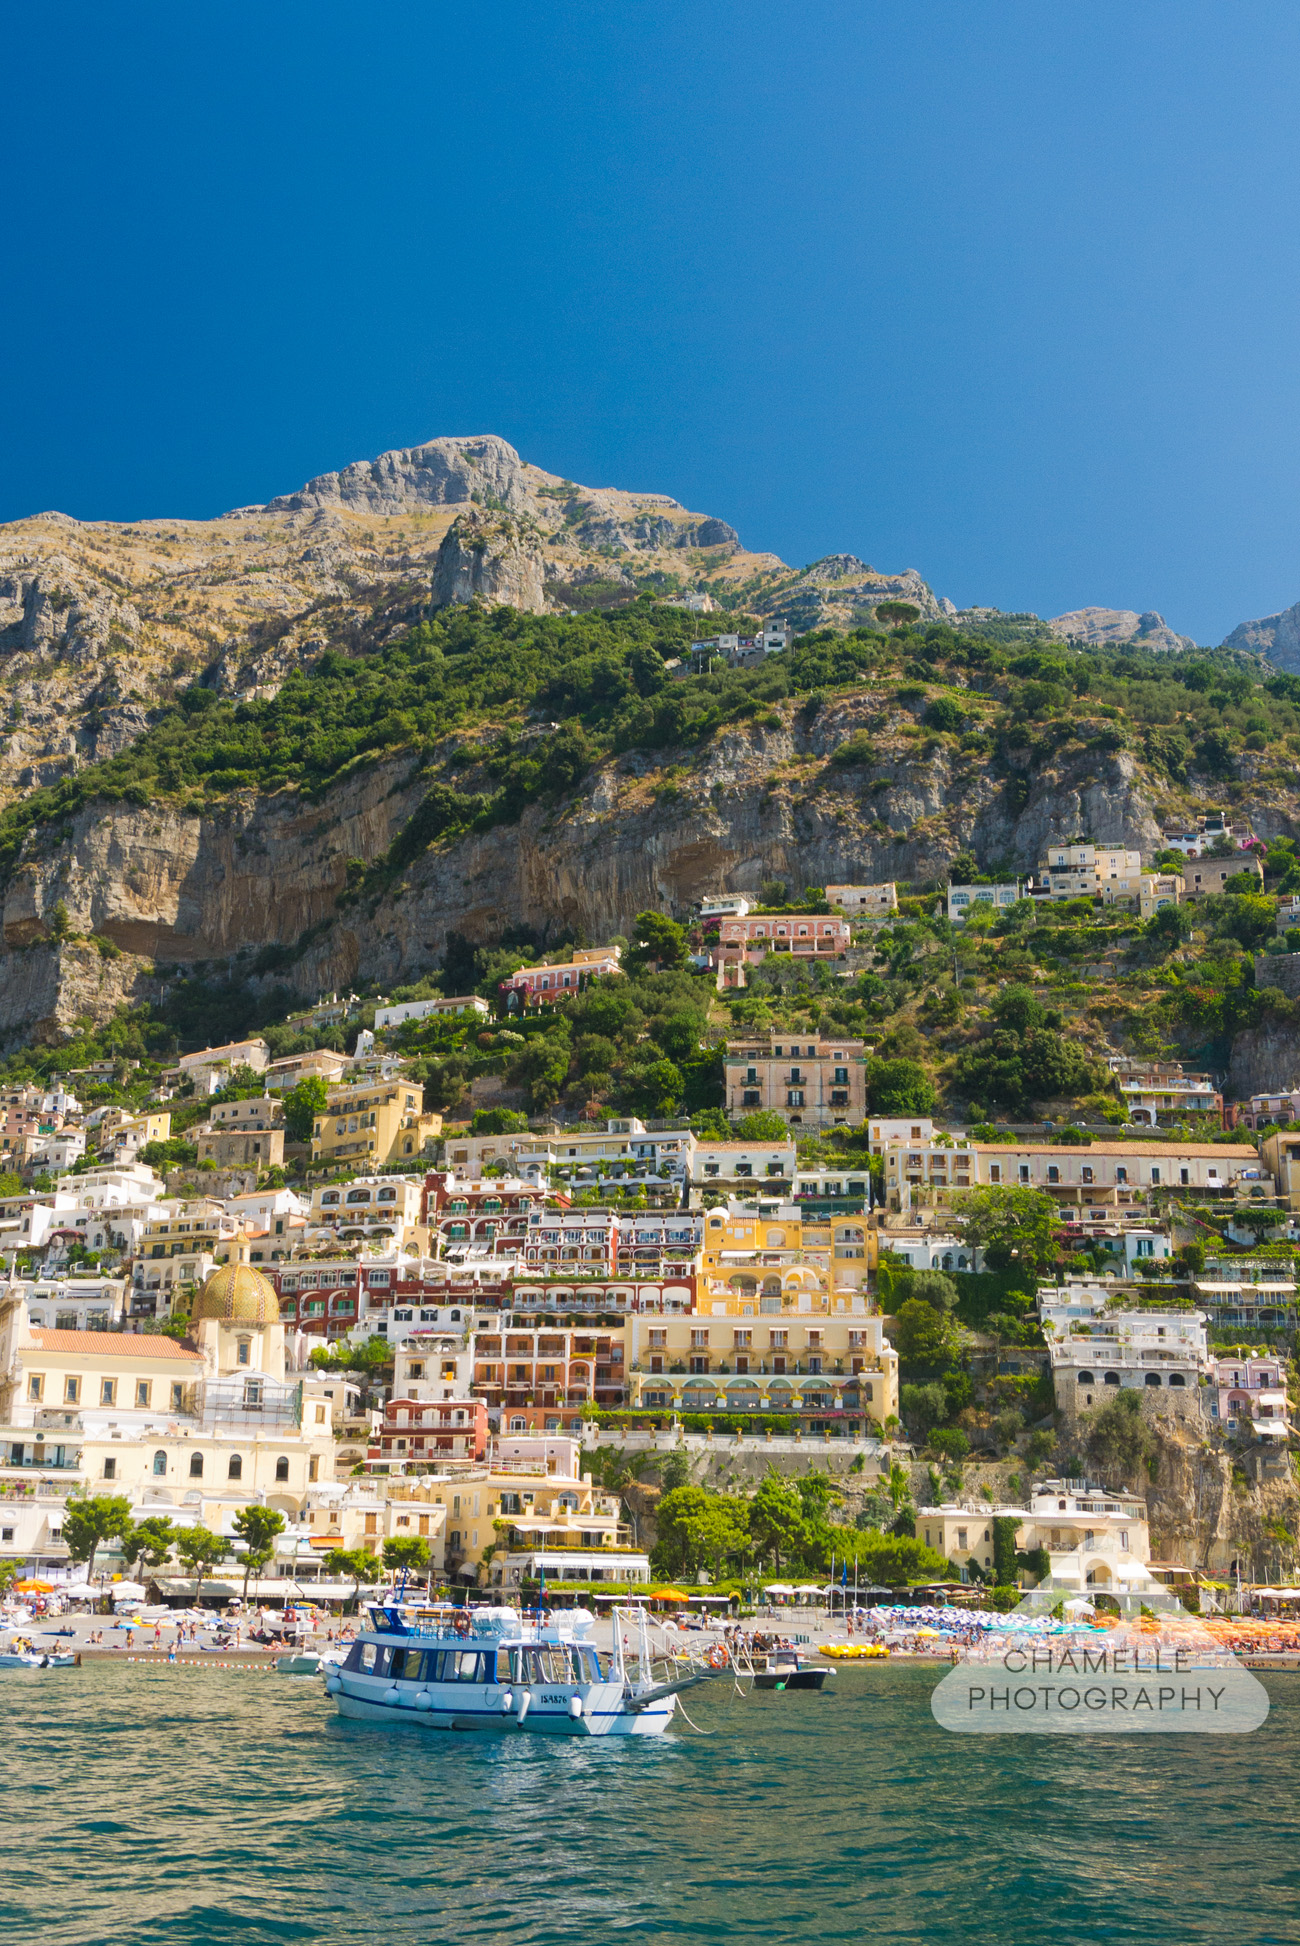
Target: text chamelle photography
{"points": [[650, 975]]}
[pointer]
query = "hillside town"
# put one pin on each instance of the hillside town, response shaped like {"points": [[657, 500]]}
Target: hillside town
{"points": [[433, 1340]]}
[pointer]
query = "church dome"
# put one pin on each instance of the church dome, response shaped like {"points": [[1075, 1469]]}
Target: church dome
{"points": [[237, 1294]]}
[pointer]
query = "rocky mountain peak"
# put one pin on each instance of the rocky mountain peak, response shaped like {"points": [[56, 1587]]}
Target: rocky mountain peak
{"points": [[1276, 636], [439, 473]]}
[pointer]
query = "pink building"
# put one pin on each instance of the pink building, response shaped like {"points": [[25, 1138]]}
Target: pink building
{"points": [[752, 938], [1248, 1394], [542, 986]]}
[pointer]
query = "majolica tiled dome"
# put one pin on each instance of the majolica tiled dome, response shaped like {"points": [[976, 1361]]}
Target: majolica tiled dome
{"points": [[238, 1294]]}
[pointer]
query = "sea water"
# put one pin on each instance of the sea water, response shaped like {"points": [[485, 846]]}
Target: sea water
{"points": [[195, 1805]]}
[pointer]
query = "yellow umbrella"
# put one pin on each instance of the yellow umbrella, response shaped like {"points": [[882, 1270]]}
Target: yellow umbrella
{"points": [[34, 1587], [668, 1594]]}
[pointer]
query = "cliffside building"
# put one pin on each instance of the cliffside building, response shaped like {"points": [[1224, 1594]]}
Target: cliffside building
{"points": [[865, 901], [963, 898], [810, 1083]]}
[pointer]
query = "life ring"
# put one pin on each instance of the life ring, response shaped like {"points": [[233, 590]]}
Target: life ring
{"points": [[718, 1657]]}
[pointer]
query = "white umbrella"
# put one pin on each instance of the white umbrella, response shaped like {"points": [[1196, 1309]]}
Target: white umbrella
{"points": [[79, 1590], [1079, 1606], [779, 1588], [127, 1591]]}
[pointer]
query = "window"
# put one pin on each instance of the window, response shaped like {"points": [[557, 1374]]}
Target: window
{"points": [[235, 1470], [244, 1351], [1155, 1174], [142, 1392], [35, 1386], [178, 1397], [1121, 1175], [71, 1390], [282, 1468], [108, 1391], [159, 1464], [995, 1172], [196, 1466], [1087, 1172]]}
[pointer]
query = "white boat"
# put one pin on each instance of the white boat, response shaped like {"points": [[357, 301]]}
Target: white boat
{"points": [[34, 1659], [308, 1662], [496, 1673]]}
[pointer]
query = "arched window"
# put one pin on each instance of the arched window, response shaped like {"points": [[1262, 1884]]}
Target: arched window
{"points": [[330, 1197], [1176, 1378], [196, 1466], [282, 1468], [1086, 1378], [160, 1463], [1153, 1378], [244, 1351], [1110, 1378], [235, 1470]]}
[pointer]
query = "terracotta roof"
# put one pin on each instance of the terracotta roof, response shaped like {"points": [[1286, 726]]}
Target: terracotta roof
{"points": [[129, 1343], [1230, 1151]]}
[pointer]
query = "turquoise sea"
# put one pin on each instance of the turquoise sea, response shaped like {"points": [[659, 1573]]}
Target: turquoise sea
{"points": [[191, 1806]]}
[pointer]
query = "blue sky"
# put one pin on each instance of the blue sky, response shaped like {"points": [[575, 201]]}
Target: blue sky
{"points": [[1004, 292]]}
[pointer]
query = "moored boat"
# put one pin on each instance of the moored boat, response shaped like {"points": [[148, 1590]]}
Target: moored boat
{"points": [[787, 1669], [492, 1671]]}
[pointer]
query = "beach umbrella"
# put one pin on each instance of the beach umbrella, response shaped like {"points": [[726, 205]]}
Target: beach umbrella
{"points": [[79, 1590], [34, 1587]]}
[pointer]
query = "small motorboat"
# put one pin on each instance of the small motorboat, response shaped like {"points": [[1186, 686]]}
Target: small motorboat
{"points": [[37, 1659], [303, 1662], [786, 1669]]}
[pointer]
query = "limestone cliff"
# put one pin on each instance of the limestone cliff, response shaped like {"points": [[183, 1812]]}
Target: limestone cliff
{"points": [[491, 557], [1276, 636], [759, 801]]}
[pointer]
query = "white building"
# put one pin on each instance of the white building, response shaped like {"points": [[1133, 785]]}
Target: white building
{"points": [[1100, 1341], [440, 1003], [963, 898], [76, 1303]]}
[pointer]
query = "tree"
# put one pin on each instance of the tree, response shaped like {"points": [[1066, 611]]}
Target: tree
{"points": [[60, 925], [952, 1442], [945, 713], [923, 1406], [659, 940], [1004, 1550], [924, 1336], [777, 1521], [894, 1559], [934, 1288], [302, 1106], [674, 1472], [149, 1541], [765, 1126], [357, 1563], [1118, 1437], [200, 1549], [698, 1527], [408, 1552], [897, 614], [499, 1121], [899, 1088], [258, 1527], [88, 1521], [1013, 1226]]}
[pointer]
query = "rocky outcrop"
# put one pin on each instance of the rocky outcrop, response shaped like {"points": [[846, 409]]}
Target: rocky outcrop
{"points": [[1276, 636], [441, 472], [840, 591], [491, 557], [1150, 630]]}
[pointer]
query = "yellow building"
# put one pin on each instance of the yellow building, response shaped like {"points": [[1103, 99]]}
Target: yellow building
{"points": [[202, 1427], [773, 1329], [371, 1121]]}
